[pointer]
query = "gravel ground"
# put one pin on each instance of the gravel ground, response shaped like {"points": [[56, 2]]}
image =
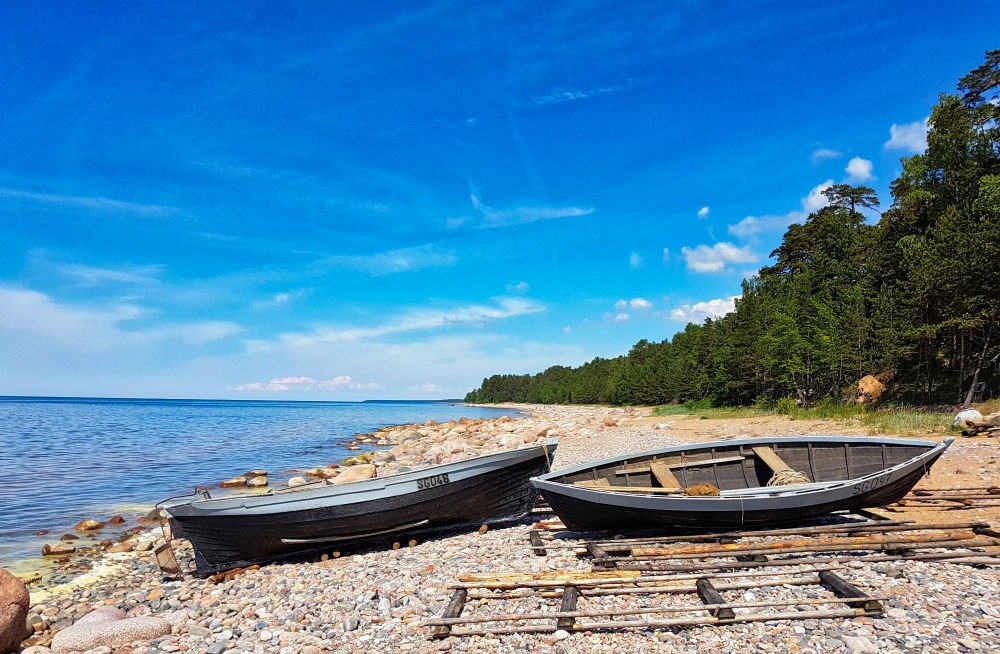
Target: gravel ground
{"points": [[373, 600]]}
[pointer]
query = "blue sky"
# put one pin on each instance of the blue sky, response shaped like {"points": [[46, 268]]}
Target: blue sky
{"points": [[335, 201]]}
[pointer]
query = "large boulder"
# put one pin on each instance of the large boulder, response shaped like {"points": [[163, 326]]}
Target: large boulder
{"points": [[358, 472], [967, 419], [870, 390], [14, 603], [107, 627]]}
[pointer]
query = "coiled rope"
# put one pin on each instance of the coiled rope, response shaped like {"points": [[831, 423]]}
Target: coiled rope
{"points": [[787, 477]]}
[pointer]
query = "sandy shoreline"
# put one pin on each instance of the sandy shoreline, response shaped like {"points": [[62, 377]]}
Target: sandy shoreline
{"points": [[374, 599]]}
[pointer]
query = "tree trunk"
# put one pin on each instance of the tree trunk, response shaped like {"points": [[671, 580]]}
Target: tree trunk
{"points": [[979, 366]]}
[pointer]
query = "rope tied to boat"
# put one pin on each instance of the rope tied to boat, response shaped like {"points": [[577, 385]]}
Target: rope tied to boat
{"points": [[787, 477]]}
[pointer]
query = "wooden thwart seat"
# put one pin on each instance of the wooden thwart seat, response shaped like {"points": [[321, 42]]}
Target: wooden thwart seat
{"points": [[771, 459], [661, 471]]}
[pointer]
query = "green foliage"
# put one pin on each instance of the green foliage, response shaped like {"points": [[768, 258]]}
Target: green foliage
{"points": [[913, 298], [785, 406]]}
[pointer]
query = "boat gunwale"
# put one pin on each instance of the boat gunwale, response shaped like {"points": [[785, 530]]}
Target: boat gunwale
{"points": [[546, 481], [342, 493]]}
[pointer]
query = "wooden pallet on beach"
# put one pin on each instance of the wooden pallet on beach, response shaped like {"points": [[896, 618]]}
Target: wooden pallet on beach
{"points": [[843, 600]]}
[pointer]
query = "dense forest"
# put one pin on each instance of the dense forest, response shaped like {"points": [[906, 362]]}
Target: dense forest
{"points": [[913, 299]]}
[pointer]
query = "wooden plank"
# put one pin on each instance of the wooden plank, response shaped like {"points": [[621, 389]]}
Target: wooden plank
{"points": [[661, 471], [646, 467], [709, 595], [536, 543], [570, 596], [593, 483], [770, 458], [453, 610], [637, 489], [842, 588]]}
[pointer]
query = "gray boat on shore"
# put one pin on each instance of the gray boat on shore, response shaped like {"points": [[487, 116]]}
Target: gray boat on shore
{"points": [[750, 482], [240, 530]]}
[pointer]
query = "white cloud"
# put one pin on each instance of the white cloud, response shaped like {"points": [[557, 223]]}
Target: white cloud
{"points": [[520, 287], [750, 226], [428, 387], [666, 255], [296, 380], [640, 303], [416, 320], [304, 384], [859, 170], [621, 317], [35, 315], [339, 381], [910, 136], [822, 154], [698, 311], [715, 258], [567, 329], [703, 212], [635, 261], [518, 215]]}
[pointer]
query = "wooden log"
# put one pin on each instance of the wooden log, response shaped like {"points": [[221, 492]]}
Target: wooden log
{"points": [[569, 599], [661, 624], [709, 595], [799, 545], [732, 536], [536, 543], [843, 588], [453, 610], [607, 579], [557, 577], [658, 566], [511, 617]]}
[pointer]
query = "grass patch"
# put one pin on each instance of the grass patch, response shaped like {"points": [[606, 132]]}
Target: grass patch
{"points": [[884, 420]]}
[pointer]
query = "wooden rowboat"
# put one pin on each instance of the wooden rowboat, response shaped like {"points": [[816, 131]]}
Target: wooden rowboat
{"points": [[651, 489], [235, 531]]}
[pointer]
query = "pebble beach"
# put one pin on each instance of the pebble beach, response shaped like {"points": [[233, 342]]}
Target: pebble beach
{"points": [[374, 599]]}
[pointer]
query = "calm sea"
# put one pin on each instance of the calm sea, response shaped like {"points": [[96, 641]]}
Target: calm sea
{"points": [[66, 459]]}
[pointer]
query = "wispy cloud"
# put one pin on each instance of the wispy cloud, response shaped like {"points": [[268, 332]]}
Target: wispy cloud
{"points": [[427, 387], [859, 170], [32, 314], [493, 218], [703, 212], [622, 317], [520, 287], [280, 299], [417, 320], [698, 311], [560, 95], [304, 384], [99, 276], [394, 261], [909, 136], [822, 154], [635, 261], [716, 258], [751, 226], [87, 203]]}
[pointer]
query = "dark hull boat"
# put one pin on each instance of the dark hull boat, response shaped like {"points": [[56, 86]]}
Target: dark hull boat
{"points": [[235, 531], [648, 489]]}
